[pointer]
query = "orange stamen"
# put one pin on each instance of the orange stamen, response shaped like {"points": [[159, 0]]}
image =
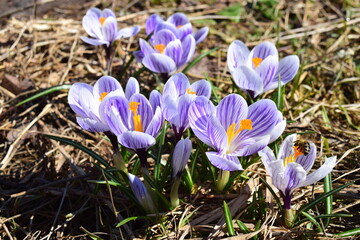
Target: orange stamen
{"points": [[188, 91], [102, 96], [179, 26], [256, 61], [292, 158], [160, 47], [102, 20], [133, 106], [232, 132], [298, 152]]}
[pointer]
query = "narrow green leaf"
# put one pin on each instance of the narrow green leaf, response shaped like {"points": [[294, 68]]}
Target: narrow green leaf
{"points": [[158, 157], [325, 116], [126, 220], [328, 201], [91, 235], [353, 232], [45, 92], [257, 227], [325, 216], [322, 197], [243, 228], [228, 220], [313, 220], [198, 59], [273, 194]]}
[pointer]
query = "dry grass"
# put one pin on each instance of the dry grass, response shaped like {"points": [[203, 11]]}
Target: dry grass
{"points": [[44, 188]]}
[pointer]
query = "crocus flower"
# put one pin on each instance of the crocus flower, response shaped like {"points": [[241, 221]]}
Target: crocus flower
{"points": [[172, 44], [141, 193], [178, 23], [178, 94], [235, 129], [258, 70], [290, 170], [133, 120], [102, 27], [85, 100]]}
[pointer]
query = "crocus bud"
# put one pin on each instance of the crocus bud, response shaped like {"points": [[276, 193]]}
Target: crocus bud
{"points": [[180, 156], [141, 193]]}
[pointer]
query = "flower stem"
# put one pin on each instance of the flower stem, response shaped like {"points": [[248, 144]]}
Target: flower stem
{"points": [[289, 216], [222, 180], [174, 194], [109, 58]]}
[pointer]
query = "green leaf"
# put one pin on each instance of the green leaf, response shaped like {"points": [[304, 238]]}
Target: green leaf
{"points": [[198, 59], [349, 233], [273, 194], [325, 216], [228, 220], [126, 220], [243, 228], [234, 10], [313, 220], [91, 235], [322, 197], [45, 92], [329, 199]]}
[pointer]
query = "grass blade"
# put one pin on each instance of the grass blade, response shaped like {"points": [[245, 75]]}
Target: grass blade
{"points": [[328, 201], [45, 92], [313, 220], [198, 59], [349, 233], [325, 216], [243, 228], [126, 220], [228, 220]]}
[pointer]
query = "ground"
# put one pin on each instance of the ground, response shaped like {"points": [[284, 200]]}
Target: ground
{"points": [[45, 186]]}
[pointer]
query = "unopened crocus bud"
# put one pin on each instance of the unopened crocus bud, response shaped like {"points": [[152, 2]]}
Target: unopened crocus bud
{"points": [[141, 193]]}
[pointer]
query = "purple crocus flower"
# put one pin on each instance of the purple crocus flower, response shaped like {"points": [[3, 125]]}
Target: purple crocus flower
{"points": [[290, 170], [258, 70], [178, 94], [181, 156], [133, 120], [102, 27], [141, 193], [85, 100], [235, 129], [172, 44]]}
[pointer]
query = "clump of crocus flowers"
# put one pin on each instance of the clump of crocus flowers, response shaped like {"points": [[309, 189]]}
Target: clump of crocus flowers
{"points": [[228, 131]]}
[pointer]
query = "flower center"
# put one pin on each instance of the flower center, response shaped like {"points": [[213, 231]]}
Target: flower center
{"points": [[188, 91], [232, 132], [103, 95], [160, 47], [133, 106], [179, 26], [102, 20], [256, 61], [291, 158]]}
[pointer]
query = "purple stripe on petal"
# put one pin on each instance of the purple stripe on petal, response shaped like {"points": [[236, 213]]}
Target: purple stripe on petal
{"points": [[237, 55], [164, 37], [170, 110], [92, 125], [155, 123], [181, 156], [132, 87], [287, 146], [268, 158], [144, 109], [95, 42], [166, 26], [94, 12], [184, 31], [201, 88], [248, 147], [151, 23], [139, 56], [178, 19], [294, 176], [159, 63], [76, 101], [267, 70], [107, 13], [109, 29], [92, 26], [277, 131], [288, 68], [128, 32], [307, 161], [176, 85], [136, 140], [188, 45], [200, 35], [155, 99], [106, 84], [224, 162], [184, 102], [248, 80], [217, 134], [231, 109], [145, 47], [174, 51], [262, 51]]}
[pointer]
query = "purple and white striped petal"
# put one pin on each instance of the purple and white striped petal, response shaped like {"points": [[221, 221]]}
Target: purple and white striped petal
{"points": [[107, 13], [159, 63], [164, 36], [269, 160], [155, 124], [320, 173], [106, 84], [145, 47], [174, 51], [139, 55], [294, 176], [178, 19], [224, 162], [231, 109], [92, 25], [132, 87], [92, 125], [217, 134], [176, 85], [166, 26], [109, 29], [200, 35], [152, 22], [267, 70], [288, 68], [78, 103], [240, 147], [181, 156], [155, 99], [248, 80], [237, 55], [184, 30], [188, 45], [95, 42], [287, 147], [262, 51], [277, 131], [128, 32], [141, 193], [307, 161], [184, 103], [201, 88], [136, 140]]}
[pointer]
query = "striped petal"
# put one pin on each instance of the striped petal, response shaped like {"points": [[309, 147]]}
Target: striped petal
{"points": [[248, 80], [237, 55], [136, 140], [224, 162], [159, 63]]}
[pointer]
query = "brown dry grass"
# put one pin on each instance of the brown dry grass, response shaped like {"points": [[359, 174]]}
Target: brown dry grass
{"points": [[44, 192]]}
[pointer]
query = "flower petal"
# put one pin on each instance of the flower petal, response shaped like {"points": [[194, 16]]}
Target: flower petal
{"points": [[141, 193], [248, 80], [200, 35], [155, 123], [175, 51], [231, 109], [320, 173], [106, 84], [188, 45], [164, 36], [178, 19], [76, 101], [248, 147], [288, 68], [151, 23], [144, 109], [217, 134], [176, 85], [237, 55], [181, 156], [92, 125], [132, 87], [91, 24], [139, 55], [262, 51], [168, 26], [287, 147], [185, 30], [155, 99], [183, 111], [109, 29], [277, 130], [224, 162], [267, 70], [268, 159], [159, 63], [145, 47], [136, 140], [95, 42], [294, 176], [201, 88], [128, 32], [107, 13]]}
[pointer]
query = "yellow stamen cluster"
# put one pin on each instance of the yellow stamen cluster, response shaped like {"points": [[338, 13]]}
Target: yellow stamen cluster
{"points": [[256, 61], [133, 106], [103, 95], [232, 132], [102, 20], [188, 91], [160, 47]]}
